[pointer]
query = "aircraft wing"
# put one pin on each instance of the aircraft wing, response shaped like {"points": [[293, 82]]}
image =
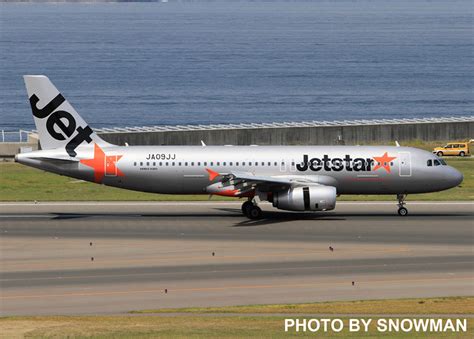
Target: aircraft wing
{"points": [[249, 177], [245, 182]]}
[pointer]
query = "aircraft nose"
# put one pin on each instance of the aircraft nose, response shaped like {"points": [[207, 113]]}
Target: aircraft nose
{"points": [[454, 177]]}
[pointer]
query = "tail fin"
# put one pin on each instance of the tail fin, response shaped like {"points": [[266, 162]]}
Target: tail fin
{"points": [[57, 122]]}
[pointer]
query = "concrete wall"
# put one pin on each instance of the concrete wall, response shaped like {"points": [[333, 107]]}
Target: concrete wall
{"points": [[9, 149], [324, 135]]}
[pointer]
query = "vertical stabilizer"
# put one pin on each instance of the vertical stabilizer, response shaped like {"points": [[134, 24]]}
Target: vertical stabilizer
{"points": [[57, 122]]}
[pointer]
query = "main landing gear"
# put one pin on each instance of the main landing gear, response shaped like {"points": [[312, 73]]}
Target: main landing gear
{"points": [[251, 210], [402, 211]]}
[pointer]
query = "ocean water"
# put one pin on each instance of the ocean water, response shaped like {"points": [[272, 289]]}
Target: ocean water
{"points": [[204, 62]]}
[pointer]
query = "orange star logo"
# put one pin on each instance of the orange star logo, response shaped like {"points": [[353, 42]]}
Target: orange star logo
{"points": [[383, 161], [103, 164]]}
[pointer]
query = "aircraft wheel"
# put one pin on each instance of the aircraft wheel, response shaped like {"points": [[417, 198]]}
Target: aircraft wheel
{"points": [[254, 212], [402, 211], [245, 207]]}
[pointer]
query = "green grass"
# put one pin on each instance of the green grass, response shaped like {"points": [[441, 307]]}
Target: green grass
{"points": [[199, 323], [22, 183], [441, 305]]}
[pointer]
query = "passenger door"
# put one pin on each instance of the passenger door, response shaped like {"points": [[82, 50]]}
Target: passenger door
{"points": [[404, 161]]}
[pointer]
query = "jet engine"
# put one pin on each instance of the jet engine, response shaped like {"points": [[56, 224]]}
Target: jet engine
{"points": [[310, 198]]}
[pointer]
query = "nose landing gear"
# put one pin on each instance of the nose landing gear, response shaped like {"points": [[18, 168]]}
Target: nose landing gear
{"points": [[251, 210], [402, 211]]}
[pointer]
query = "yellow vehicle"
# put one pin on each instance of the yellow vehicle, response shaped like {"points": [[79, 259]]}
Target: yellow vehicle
{"points": [[453, 148]]}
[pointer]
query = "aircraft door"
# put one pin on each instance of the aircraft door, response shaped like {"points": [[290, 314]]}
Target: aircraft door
{"points": [[110, 165], [404, 162]]}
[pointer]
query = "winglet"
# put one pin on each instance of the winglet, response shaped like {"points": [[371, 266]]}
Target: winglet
{"points": [[212, 174]]}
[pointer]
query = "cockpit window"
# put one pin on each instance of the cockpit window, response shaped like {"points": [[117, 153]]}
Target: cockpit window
{"points": [[443, 162], [429, 163], [436, 162]]}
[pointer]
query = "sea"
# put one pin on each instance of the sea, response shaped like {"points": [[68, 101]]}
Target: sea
{"points": [[205, 62]]}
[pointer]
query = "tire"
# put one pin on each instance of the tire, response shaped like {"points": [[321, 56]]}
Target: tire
{"points": [[439, 154], [402, 211], [245, 207], [462, 154], [254, 212]]}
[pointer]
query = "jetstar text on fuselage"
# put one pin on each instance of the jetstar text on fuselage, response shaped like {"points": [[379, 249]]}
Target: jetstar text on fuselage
{"points": [[339, 164]]}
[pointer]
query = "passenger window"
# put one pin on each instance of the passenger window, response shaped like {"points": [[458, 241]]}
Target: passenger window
{"points": [[436, 162], [154, 163], [256, 163], [179, 164], [263, 164], [275, 164], [192, 163], [166, 163], [429, 163], [212, 163], [141, 163], [237, 163], [243, 164], [223, 164], [205, 163], [199, 163], [186, 164], [147, 163], [135, 163], [172, 164], [230, 163], [218, 163]]}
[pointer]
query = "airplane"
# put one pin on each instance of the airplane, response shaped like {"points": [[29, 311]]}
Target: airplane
{"points": [[294, 178]]}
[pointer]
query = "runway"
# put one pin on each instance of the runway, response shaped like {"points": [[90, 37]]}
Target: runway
{"points": [[110, 258]]}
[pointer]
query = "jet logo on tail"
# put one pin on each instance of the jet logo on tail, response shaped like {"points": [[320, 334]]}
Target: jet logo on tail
{"points": [[61, 121]]}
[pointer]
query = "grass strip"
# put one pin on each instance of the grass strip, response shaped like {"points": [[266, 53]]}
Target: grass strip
{"points": [[444, 305], [200, 324]]}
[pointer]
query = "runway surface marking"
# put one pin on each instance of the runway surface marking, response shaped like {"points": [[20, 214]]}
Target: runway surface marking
{"points": [[235, 271], [236, 287], [46, 263], [224, 257]]}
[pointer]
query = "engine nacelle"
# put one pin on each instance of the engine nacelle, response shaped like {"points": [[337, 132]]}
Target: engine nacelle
{"points": [[311, 198]]}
